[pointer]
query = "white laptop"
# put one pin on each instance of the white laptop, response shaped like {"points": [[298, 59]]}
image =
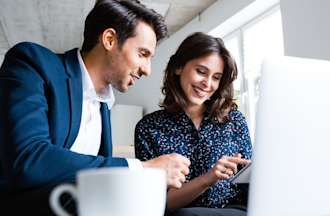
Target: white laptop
{"points": [[291, 158]]}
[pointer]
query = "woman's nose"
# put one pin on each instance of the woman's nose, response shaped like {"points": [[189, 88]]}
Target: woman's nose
{"points": [[207, 82]]}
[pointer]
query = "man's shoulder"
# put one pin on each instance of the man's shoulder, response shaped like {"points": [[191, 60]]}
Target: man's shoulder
{"points": [[30, 57], [30, 47], [31, 52]]}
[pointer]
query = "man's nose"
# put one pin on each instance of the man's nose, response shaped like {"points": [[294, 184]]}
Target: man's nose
{"points": [[145, 69]]}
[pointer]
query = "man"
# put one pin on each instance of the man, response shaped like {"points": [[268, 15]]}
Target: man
{"points": [[54, 108]]}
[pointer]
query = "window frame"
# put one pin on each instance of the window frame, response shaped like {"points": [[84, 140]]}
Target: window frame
{"points": [[245, 96]]}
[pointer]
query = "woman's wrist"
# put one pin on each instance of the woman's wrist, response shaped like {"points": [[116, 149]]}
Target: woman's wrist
{"points": [[207, 180]]}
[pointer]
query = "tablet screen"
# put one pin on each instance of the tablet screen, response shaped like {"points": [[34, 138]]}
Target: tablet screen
{"points": [[243, 176]]}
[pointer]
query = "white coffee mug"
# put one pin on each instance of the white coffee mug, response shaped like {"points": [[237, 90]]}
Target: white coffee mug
{"points": [[115, 192]]}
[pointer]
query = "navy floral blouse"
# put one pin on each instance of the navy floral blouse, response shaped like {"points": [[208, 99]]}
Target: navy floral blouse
{"points": [[162, 132]]}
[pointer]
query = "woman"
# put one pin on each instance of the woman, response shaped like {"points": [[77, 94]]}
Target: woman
{"points": [[199, 120]]}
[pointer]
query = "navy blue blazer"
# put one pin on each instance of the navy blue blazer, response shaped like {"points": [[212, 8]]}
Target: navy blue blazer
{"points": [[40, 113]]}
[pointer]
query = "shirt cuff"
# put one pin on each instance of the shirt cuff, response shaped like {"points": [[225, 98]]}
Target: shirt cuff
{"points": [[134, 164]]}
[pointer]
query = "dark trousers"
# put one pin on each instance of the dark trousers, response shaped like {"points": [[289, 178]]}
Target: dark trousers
{"points": [[237, 207], [199, 211], [32, 203], [29, 203]]}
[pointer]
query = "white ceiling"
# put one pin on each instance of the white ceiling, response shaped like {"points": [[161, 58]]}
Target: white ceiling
{"points": [[178, 12], [58, 24]]}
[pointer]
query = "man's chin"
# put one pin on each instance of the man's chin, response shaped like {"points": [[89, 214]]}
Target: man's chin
{"points": [[123, 89]]}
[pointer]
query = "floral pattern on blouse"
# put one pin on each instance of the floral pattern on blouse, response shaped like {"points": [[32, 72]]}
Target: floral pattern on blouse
{"points": [[162, 132]]}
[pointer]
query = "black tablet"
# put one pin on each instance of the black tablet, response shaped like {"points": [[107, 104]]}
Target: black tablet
{"points": [[243, 176]]}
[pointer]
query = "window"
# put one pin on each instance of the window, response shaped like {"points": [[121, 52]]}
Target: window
{"points": [[260, 38]]}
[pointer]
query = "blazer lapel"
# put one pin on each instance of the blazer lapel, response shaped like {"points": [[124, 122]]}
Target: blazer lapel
{"points": [[74, 83]]}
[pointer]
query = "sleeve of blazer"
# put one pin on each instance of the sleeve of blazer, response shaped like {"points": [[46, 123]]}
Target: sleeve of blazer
{"points": [[29, 159]]}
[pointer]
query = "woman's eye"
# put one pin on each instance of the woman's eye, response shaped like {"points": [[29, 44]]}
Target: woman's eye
{"points": [[200, 71], [217, 77]]}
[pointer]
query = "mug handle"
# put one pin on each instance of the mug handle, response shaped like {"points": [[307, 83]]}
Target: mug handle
{"points": [[55, 195]]}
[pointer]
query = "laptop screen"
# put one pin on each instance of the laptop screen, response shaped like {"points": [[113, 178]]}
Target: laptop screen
{"points": [[291, 158]]}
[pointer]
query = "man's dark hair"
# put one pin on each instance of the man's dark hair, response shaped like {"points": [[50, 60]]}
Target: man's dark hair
{"points": [[123, 16], [199, 45]]}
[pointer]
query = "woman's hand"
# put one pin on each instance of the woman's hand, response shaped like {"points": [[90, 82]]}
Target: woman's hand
{"points": [[224, 168]]}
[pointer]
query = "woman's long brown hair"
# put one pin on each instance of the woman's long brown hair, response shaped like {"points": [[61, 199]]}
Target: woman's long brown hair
{"points": [[196, 46]]}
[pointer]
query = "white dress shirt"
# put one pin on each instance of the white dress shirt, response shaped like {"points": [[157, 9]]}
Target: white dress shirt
{"points": [[88, 140]]}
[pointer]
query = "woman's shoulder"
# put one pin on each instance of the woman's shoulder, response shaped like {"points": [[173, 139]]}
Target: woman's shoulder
{"points": [[238, 121], [159, 114], [237, 118], [153, 118], [236, 115]]}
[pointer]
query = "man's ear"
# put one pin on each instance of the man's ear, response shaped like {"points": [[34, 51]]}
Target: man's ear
{"points": [[109, 38]]}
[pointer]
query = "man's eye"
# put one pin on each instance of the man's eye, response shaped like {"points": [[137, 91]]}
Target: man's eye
{"points": [[144, 54]]}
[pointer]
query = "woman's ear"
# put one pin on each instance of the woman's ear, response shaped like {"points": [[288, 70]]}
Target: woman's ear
{"points": [[109, 38], [178, 71]]}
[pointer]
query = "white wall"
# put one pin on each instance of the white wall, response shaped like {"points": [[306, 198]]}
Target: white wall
{"points": [[3, 44], [306, 28], [123, 119]]}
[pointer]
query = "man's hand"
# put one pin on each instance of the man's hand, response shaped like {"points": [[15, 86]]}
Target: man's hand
{"points": [[175, 165]]}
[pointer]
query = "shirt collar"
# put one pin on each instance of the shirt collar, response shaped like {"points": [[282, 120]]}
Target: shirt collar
{"points": [[107, 96]]}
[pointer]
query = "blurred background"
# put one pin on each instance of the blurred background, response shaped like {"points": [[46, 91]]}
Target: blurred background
{"points": [[252, 30]]}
